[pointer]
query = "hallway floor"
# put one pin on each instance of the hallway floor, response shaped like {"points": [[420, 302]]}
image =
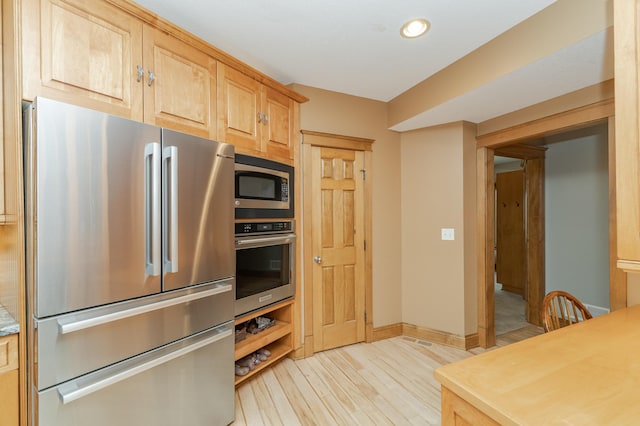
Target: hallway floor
{"points": [[509, 311]]}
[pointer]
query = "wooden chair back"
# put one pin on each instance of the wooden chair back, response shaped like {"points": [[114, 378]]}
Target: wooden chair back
{"points": [[560, 309]]}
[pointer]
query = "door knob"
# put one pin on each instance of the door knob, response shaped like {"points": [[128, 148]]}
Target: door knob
{"points": [[317, 259]]}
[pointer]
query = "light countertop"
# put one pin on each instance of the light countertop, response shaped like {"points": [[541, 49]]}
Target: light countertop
{"points": [[8, 325], [584, 374]]}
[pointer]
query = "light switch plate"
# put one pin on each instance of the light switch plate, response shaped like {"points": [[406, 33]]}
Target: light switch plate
{"points": [[448, 234]]}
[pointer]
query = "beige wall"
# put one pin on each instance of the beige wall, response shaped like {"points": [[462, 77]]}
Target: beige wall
{"points": [[337, 113], [424, 180], [438, 277]]}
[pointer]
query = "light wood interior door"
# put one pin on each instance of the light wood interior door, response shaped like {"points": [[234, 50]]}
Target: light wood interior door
{"points": [[510, 233], [338, 247]]}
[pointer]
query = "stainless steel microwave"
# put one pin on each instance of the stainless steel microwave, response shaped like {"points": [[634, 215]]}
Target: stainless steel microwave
{"points": [[263, 188]]}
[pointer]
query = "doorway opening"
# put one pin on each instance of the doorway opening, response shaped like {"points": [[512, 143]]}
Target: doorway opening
{"points": [[520, 138]]}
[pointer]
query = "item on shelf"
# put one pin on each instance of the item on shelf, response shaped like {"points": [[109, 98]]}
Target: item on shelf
{"points": [[250, 361], [241, 371], [241, 332], [264, 322], [252, 327], [264, 351]]}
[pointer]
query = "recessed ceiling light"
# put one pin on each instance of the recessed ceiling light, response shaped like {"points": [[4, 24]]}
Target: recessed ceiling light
{"points": [[415, 28]]}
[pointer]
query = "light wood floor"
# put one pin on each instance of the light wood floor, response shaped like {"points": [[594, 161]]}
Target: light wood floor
{"points": [[389, 382], [509, 311]]}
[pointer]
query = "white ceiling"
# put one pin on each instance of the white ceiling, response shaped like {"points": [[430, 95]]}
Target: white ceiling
{"points": [[354, 47]]}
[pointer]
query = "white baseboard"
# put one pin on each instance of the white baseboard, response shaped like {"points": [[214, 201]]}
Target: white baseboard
{"points": [[596, 311]]}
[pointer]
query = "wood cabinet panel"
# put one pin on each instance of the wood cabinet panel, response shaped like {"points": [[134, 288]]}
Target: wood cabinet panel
{"points": [[278, 137], [255, 118], [457, 411], [98, 56], [238, 107], [2, 172], [9, 401], [82, 52], [627, 131], [182, 95], [9, 381]]}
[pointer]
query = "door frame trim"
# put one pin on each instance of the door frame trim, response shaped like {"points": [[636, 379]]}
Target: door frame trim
{"points": [[309, 140], [584, 116]]}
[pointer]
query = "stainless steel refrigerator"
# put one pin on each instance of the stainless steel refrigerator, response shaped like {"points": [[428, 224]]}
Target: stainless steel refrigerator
{"points": [[130, 271]]}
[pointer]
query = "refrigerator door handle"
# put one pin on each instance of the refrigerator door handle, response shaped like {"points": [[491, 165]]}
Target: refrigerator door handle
{"points": [[72, 391], [72, 326], [152, 208], [170, 159]]}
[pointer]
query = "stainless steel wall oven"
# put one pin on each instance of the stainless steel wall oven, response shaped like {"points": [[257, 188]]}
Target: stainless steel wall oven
{"points": [[265, 264]]}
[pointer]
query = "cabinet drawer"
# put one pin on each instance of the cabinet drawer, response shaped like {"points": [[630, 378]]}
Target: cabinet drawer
{"points": [[8, 353]]}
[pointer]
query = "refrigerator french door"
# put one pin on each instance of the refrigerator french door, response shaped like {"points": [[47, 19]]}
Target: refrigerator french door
{"points": [[130, 270]]}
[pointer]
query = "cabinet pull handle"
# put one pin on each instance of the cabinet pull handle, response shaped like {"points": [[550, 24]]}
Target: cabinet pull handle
{"points": [[259, 117], [140, 73], [152, 77], [266, 119]]}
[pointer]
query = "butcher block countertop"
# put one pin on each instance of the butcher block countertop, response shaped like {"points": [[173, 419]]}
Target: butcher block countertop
{"points": [[584, 374]]}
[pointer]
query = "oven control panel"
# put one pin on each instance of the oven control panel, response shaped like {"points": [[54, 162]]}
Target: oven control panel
{"points": [[271, 227]]}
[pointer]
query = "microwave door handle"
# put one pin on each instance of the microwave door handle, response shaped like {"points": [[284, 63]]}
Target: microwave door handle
{"points": [[170, 157], [152, 207]]}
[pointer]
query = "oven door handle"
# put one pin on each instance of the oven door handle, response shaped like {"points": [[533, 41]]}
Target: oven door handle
{"points": [[280, 239]]}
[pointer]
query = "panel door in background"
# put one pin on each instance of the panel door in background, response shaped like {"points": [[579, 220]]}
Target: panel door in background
{"points": [[338, 246], [511, 262]]}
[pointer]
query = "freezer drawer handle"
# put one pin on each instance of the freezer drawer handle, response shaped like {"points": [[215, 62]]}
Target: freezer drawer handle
{"points": [[70, 396], [70, 327]]}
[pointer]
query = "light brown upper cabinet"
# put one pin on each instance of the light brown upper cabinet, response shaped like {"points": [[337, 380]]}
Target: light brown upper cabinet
{"points": [[627, 132], [94, 54], [255, 118], [183, 94]]}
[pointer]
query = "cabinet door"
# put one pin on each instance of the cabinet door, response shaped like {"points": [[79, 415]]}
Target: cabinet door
{"points": [[9, 405], [239, 102], [2, 183], [277, 127], [181, 95], [84, 53], [627, 132]]}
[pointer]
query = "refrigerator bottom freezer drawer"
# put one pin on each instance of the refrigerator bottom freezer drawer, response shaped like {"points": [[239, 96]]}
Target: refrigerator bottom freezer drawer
{"points": [[189, 382], [78, 343]]}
